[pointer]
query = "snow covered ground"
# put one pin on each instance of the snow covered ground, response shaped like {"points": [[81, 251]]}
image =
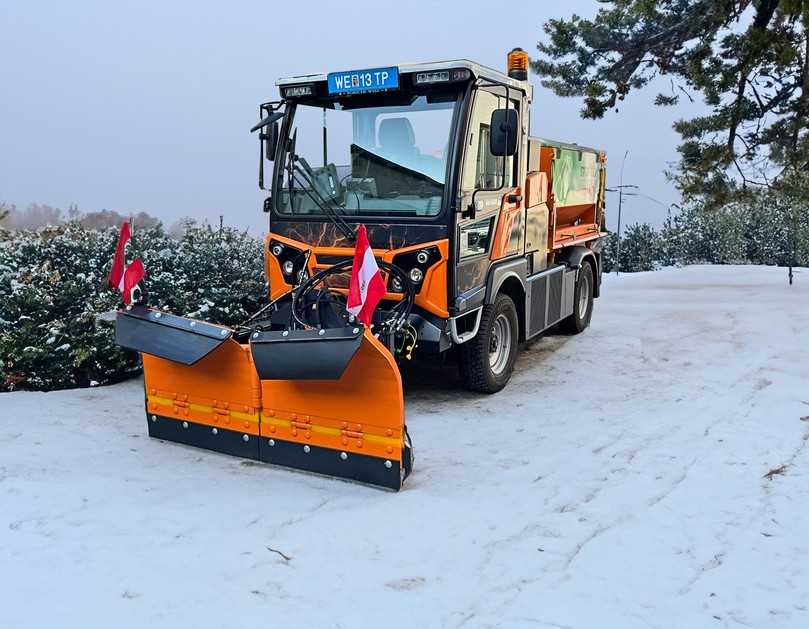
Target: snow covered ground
{"points": [[651, 472]]}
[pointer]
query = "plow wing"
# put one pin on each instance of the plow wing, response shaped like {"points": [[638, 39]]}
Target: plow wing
{"points": [[328, 402]]}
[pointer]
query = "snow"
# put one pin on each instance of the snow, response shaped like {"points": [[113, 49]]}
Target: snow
{"points": [[619, 481]]}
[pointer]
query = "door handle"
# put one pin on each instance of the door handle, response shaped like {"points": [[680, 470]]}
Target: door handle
{"points": [[514, 198]]}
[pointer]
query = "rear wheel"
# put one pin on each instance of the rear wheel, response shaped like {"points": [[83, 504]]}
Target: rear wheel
{"points": [[487, 360], [582, 302]]}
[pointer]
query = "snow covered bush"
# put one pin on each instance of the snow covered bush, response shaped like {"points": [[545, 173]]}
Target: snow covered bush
{"points": [[769, 228], [53, 293], [214, 275]]}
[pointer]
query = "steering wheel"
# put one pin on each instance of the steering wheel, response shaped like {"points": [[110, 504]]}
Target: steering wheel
{"points": [[309, 294]]}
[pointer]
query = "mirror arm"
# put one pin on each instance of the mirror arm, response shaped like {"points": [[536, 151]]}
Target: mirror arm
{"points": [[261, 163], [505, 157]]}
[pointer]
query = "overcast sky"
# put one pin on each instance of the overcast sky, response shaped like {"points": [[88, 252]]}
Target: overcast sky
{"points": [[147, 106]]}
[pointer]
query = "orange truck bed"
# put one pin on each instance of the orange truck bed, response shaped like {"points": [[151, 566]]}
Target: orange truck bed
{"points": [[576, 179]]}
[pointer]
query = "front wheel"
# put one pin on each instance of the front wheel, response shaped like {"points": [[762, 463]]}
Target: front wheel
{"points": [[487, 360], [582, 302]]}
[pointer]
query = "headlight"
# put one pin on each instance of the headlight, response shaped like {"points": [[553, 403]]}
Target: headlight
{"points": [[288, 267], [277, 249], [397, 285], [415, 263]]}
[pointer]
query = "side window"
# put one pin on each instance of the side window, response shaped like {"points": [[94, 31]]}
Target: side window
{"points": [[489, 171], [481, 168]]}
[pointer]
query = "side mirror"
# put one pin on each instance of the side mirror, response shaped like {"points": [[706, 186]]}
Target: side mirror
{"points": [[270, 140], [503, 132]]}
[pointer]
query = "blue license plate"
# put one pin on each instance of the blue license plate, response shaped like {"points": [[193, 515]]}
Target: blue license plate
{"points": [[371, 80]]}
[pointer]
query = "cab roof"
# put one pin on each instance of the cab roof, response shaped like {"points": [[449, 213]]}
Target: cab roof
{"points": [[477, 70]]}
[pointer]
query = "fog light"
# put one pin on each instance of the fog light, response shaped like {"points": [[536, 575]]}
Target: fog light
{"points": [[416, 275], [288, 267], [422, 257], [302, 276], [397, 285], [277, 249]]}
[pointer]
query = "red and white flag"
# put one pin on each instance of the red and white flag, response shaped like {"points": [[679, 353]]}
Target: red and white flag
{"points": [[367, 287], [119, 261], [133, 276], [126, 278]]}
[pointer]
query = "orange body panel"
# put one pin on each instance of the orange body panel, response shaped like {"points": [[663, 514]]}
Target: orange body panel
{"points": [[536, 188], [507, 235], [361, 412], [575, 224], [432, 296]]}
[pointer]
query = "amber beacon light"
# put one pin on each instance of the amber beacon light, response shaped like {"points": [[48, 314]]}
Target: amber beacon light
{"points": [[518, 64]]}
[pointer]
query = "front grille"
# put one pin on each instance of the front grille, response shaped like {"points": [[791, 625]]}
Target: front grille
{"points": [[323, 258]]}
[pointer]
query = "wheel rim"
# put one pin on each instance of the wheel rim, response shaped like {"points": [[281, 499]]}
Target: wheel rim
{"points": [[500, 344], [584, 294]]}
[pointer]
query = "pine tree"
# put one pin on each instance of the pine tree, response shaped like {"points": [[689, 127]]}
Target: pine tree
{"points": [[640, 248], [748, 60]]}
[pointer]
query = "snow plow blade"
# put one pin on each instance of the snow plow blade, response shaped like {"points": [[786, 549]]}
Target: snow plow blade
{"points": [[207, 389]]}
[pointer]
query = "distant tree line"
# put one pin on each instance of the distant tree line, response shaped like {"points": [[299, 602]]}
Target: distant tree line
{"points": [[38, 215]]}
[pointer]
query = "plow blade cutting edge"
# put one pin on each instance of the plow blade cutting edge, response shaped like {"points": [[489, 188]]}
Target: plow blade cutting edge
{"points": [[325, 402]]}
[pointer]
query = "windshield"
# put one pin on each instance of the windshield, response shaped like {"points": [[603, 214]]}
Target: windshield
{"points": [[374, 160]]}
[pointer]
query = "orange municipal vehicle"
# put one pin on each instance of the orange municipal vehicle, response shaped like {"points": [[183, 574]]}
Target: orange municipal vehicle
{"points": [[486, 236]]}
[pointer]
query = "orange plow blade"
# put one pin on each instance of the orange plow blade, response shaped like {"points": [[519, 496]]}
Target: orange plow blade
{"points": [[352, 427], [204, 389]]}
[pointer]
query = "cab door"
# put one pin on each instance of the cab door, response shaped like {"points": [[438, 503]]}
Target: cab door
{"points": [[497, 229]]}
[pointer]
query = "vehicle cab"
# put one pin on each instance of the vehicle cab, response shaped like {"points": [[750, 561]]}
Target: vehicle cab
{"points": [[433, 158]]}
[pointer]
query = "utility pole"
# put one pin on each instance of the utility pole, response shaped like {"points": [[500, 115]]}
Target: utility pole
{"points": [[620, 189], [621, 195], [620, 205]]}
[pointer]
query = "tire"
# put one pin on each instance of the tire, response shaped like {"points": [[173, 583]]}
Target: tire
{"points": [[582, 302], [487, 360]]}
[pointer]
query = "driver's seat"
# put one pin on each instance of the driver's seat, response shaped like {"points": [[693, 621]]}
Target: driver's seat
{"points": [[396, 138]]}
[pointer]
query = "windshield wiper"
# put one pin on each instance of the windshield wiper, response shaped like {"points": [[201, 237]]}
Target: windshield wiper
{"points": [[322, 204], [307, 185], [295, 173]]}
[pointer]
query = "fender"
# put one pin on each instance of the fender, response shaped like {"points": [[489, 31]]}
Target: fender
{"points": [[573, 258], [500, 272]]}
